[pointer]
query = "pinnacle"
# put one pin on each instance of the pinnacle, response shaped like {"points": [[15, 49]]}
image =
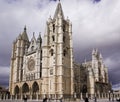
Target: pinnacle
{"points": [[59, 11]]}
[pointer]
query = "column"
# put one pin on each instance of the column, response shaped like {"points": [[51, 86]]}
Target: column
{"points": [[0, 96], [30, 96], [81, 96], [21, 96], [37, 96]]}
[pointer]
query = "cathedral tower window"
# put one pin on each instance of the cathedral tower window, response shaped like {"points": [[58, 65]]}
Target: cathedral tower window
{"points": [[53, 28], [51, 52], [64, 52], [64, 39], [53, 38], [64, 28]]}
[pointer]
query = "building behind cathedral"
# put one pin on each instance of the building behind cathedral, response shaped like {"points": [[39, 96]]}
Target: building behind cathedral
{"points": [[46, 68]]}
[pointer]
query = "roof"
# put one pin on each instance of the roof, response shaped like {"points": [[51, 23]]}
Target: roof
{"points": [[59, 11]]}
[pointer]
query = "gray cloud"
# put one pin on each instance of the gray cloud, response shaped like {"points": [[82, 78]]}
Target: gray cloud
{"points": [[4, 76], [94, 26]]}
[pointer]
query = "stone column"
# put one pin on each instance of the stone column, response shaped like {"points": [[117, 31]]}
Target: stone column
{"points": [[4, 96], [0, 96], [21, 96], [31, 96], [37, 96], [15, 97], [81, 97]]}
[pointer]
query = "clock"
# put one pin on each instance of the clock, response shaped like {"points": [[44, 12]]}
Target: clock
{"points": [[31, 64]]}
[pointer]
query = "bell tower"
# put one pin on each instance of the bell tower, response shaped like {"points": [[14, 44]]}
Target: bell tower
{"points": [[57, 65]]}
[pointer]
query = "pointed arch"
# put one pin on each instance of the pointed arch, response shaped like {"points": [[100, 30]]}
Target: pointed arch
{"points": [[25, 88], [64, 52], [35, 87], [84, 88], [51, 52], [16, 90]]}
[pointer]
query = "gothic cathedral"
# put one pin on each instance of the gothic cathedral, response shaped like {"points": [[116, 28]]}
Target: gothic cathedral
{"points": [[46, 68]]}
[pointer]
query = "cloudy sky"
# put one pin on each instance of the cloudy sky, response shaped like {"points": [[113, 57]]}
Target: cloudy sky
{"points": [[96, 24]]}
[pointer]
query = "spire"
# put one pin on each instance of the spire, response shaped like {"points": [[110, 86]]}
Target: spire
{"points": [[100, 55], [85, 61], [39, 39], [25, 28], [33, 38], [24, 34], [19, 37], [93, 52], [59, 11]]}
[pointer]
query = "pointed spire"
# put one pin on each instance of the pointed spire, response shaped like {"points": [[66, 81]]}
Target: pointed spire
{"points": [[59, 11], [25, 28], [100, 55], [33, 34], [85, 60], [96, 51], [24, 34], [39, 39], [19, 37], [93, 52], [33, 38]]}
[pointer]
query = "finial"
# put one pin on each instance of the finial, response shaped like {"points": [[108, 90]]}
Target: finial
{"points": [[25, 28], [33, 33], [93, 51], [40, 34], [100, 55], [85, 61]]}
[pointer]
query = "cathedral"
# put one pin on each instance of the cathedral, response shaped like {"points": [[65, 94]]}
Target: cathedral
{"points": [[46, 67]]}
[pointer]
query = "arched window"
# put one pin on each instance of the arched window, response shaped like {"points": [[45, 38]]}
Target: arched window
{"points": [[51, 52], [16, 90], [35, 87], [64, 39], [25, 88], [32, 48], [53, 28], [64, 52], [53, 38], [64, 28]]}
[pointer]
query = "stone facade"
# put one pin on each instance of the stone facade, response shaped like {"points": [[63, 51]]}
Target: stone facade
{"points": [[46, 68], [93, 76]]}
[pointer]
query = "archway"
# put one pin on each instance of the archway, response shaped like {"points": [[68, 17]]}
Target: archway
{"points": [[35, 87], [35, 90], [25, 88], [84, 90], [16, 90]]}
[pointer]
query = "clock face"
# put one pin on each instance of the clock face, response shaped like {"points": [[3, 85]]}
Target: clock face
{"points": [[31, 64]]}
